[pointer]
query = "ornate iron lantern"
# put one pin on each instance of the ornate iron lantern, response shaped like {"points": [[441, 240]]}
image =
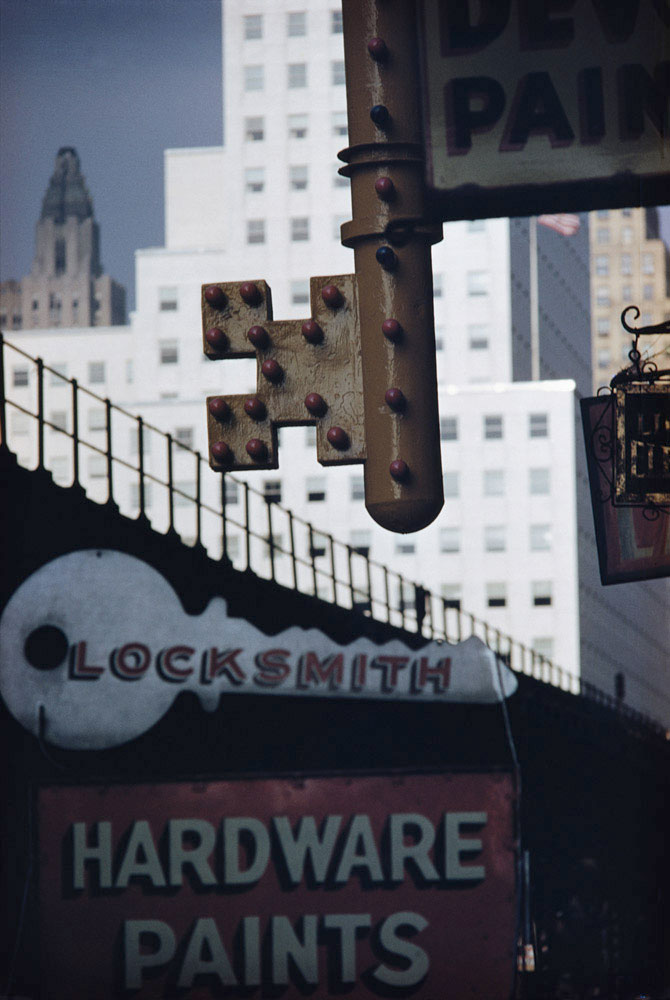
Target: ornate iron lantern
{"points": [[627, 434]]}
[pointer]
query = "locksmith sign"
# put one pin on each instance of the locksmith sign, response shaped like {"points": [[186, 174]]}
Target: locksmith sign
{"points": [[95, 646], [366, 886], [545, 105]]}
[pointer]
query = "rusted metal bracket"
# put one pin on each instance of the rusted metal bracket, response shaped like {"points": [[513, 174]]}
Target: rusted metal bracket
{"points": [[367, 379]]}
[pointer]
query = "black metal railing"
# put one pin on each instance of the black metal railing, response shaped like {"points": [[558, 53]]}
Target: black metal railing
{"points": [[238, 523]]}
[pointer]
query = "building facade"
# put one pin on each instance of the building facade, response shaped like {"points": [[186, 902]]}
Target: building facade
{"points": [[66, 286], [514, 543]]}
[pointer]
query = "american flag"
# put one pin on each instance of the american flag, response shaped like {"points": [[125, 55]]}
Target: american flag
{"points": [[566, 225]]}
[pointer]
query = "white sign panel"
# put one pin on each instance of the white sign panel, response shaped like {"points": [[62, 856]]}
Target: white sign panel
{"points": [[95, 646], [546, 105]]}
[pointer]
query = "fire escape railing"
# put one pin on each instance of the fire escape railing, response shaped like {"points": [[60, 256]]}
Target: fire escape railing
{"points": [[277, 544]]}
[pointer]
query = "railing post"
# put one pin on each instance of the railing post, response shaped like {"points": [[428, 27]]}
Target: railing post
{"points": [[369, 580], [198, 499], [332, 567], [168, 438], [75, 431], [140, 463], [110, 471], [352, 592], [271, 541], [294, 564], [313, 560], [246, 524], [224, 519], [3, 405], [40, 413]]}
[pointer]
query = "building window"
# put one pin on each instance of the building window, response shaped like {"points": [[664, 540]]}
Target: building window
{"points": [[297, 177], [478, 282], [603, 296], [316, 489], [360, 542], [451, 484], [603, 213], [310, 436], [135, 494], [97, 419], [168, 352], [626, 263], [338, 222], [299, 293], [603, 235], [254, 78], [336, 22], [539, 481], [449, 428], [19, 423], [254, 179], [58, 373], [493, 427], [495, 539], [478, 336], [538, 425], [357, 488], [544, 647], [297, 75], [134, 440], [451, 596], [297, 126], [339, 181], [438, 286], [59, 256], [540, 537], [627, 235], [272, 490], [19, 377], [253, 26], [184, 436], [647, 263], [496, 595], [450, 539], [477, 225], [541, 592], [17, 320], [232, 490], [296, 24], [648, 292], [97, 466], [405, 548], [60, 469], [184, 493], [627, 291], [319, 543], [604, 356], [603, 326], [337, 77], [3, 319], [58, 420], [255, 230], [494, 482], [96, 372], [254, 129], [439, 341], [167, 299], [602, 265], [339, 123], [300, 229]]}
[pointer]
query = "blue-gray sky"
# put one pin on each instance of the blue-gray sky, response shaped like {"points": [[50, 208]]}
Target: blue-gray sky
{"points": [[120, 80]]}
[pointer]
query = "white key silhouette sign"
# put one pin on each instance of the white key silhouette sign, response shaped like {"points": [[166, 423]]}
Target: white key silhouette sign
{"points": [[95, 646]]}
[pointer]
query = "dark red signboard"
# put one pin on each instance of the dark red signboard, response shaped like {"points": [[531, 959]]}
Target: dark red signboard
{"points": [[393, 885], [633, 541]]}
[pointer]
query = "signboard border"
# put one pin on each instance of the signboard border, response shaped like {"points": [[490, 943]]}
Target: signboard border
{"points": [[622, 496]]}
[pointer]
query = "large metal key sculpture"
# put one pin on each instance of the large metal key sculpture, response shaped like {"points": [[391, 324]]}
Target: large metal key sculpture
{"points": [[362, 366]]}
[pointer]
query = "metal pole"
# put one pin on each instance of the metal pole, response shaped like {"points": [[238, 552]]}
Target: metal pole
{"points": [[391, 238]]}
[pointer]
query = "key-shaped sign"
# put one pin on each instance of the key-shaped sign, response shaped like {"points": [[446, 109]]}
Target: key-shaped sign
{"points": [[95, 646]]}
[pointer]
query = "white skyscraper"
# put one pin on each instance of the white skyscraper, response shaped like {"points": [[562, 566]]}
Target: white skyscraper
{"points": [[514, 542]]}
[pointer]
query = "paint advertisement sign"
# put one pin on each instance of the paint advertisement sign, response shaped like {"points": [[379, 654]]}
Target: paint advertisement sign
{"points": [[364, 886], [533, 107]]}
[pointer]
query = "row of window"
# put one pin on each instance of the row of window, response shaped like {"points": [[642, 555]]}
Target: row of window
{"points": [[95, 374], [298, 179], [604, 262], [296, 76], [299, 229], [604, 295], [297, 126], [296, 24], [493, 426], [495, 538]]}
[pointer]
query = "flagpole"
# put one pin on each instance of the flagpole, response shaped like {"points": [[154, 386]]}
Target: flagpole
{"points": [[534, 302]]}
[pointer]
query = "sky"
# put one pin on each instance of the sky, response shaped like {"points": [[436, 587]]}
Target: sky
{"points": [[120, 80]]}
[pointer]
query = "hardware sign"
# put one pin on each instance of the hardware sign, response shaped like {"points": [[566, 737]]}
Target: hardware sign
{"points": [[364, 886], [535, 107]]}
